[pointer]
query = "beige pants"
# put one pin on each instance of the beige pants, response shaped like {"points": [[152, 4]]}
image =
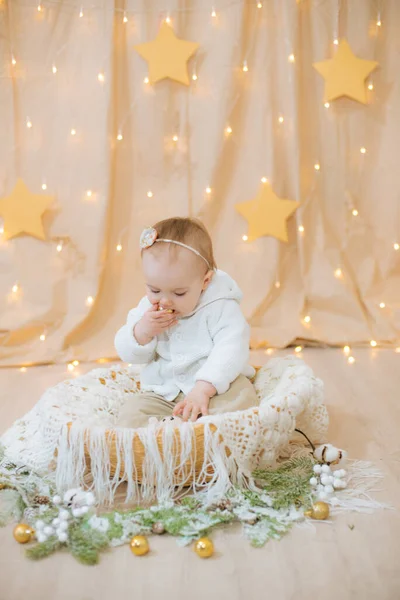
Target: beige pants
{"points": [[137, 410]]}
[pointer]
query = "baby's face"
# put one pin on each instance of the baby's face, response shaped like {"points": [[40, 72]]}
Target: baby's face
{"points": [[175, 280]]}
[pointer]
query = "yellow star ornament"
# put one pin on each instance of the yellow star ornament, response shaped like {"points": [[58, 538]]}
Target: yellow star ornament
{"points": [[167, 56], [22, 212], [267, 214], [345, 74]]}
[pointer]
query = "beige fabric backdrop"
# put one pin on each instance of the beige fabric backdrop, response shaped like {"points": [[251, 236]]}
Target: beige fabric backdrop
{"points": [[54, 285]]}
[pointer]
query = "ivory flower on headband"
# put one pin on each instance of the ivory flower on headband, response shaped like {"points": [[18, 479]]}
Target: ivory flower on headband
{"points": [[150, 235]]}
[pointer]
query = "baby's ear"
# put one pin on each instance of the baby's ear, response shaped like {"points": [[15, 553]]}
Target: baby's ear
{"points": [[207, 279]]}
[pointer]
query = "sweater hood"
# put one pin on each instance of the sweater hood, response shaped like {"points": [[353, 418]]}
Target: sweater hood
{"points": [[222, 287]]}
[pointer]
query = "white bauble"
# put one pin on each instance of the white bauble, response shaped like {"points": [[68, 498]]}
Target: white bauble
{"points": [[329, 489], [76, 512], [48, 530], [55, 522], [322, 496], [320, 487], [57, 499], [84, 510], [63, 526], [326, 469], [325, 479], [337, 483], [39, 525], [62, 536], [90, 499], [41, 537], [340, 473], [317, 469], [313, 481], [64, 514]]}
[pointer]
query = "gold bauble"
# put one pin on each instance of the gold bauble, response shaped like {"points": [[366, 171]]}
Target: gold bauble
{"points": [[23, 533], [139, 545], [158, 528], [2, 486], [319, 511], [204, 547]]}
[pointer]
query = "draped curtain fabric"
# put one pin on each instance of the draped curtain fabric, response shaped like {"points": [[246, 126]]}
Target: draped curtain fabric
{"points": [[101, 141]]}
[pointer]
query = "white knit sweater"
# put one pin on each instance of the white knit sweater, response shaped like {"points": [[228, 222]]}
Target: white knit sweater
{"points": [[211, 344]]}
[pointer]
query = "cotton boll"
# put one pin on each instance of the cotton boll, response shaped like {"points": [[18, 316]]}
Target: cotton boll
{"points": [[76, 512], [317, 469], [329, 489], [84, 510], [39, 525], [56, 522], [313, 481], [90, 499], [57, 499], [63, 526], [41, 537], [64, 515], [48, 530], [62, 536]]}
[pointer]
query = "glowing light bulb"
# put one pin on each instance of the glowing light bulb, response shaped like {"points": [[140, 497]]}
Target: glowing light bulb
{"points": [[29, 124], [277, 284], [75, 363], [327, 105], [398, 350], [44, 186], [370, 86], [264, 180], [396, 246], [15, 288], [39, 8], [42, 337], [307, 319], [175, 138], [73, 131], [120, 136], [89, 300], [208, 190], [259, 4], [101, 77], [59, 246], [228, 130], [213, 13], [125, 19], [146, 80], [194, 77], [336, 42], [168, 20], [1, 229], [13, 61], [346, 350], [298, 349], [119, 248], [70, 367], [54, 69], [363, 150], [354, 212], [149, 194], [301, 229], [245, 238], [338, 273], [81, 13], [351, 360], [89, 193], [23, 369], [281, 119], [317, 166], [291, 58], [269, 351], [373, 343], [245, 68], [379, 23], [382, 305]]}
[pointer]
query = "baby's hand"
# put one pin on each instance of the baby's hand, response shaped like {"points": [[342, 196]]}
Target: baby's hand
{"points": [[153, 323], [196, 402]]}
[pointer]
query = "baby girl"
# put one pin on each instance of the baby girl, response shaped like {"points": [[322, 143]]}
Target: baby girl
{"points": [[188, 330]]}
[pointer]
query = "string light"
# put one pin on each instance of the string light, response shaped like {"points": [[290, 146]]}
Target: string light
{"points": [[298, 349], [120, 136], [245, 68], [194, 77], [327, 105], [73, 131], [346, 350], [44, 186], [15, 288], [101, 77], [213, 13], [168, 20], [371, 86], [259, 4], [175, 138], [75, 363], [119, 248], [125, 19], [54, 69], [23, 369], [70, 367], [1, 229], [59, 246], [81, 13], [264, 179], [89, 193], [363, 150], [89, 301], [146, 80], [398, 350], [13, 61], [29, 123], [354, 212], [382, 305], [42, 337], [291, 58], [277, 284], [373, 343], [336, 42], [245, 238], [396, 246], [281, 119], [317, 166], [301, 229], [228, 130], [351, 360], [379, 22], [338, 273], [39, 8], [269, 351], [149, 194], [307, 319], [208, 190]]}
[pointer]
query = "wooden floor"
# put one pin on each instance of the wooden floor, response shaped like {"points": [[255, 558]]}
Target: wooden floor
{"points": [[332, 562]]}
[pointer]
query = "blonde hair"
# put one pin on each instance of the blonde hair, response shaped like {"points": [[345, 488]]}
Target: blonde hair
{"points": [[188, 231]]}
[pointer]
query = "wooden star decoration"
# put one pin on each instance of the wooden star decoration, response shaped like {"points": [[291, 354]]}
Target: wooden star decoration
{"points": [[267, 214], [22, 212], [345, 74], [167, 56]]}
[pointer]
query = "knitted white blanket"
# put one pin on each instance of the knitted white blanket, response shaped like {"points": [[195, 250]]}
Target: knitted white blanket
{"points": [[290, 397]]}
